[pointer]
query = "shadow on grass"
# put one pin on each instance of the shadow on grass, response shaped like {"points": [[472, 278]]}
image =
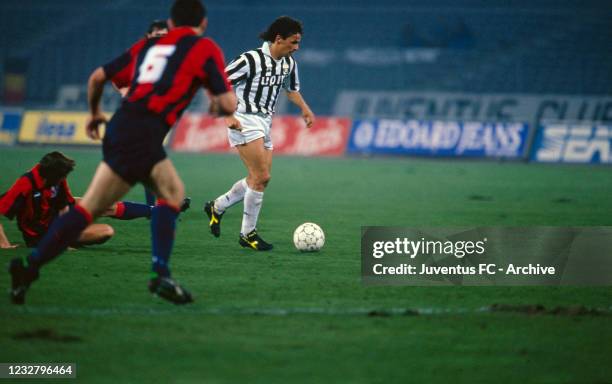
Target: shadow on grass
{"points": [[46, 334]]}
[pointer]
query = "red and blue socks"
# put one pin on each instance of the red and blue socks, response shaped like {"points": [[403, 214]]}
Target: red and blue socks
{"points": [[163, 226], [127, 210], [149, 197], [64, 231]]}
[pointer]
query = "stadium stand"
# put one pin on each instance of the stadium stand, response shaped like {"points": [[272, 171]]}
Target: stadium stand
{"points": [[480, 46]]}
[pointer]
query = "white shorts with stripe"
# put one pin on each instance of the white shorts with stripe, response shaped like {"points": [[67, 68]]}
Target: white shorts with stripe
{"points": [[253, 126]]}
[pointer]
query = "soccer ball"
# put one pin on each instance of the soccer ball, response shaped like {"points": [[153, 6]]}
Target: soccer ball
{"points": [[308, 237]]}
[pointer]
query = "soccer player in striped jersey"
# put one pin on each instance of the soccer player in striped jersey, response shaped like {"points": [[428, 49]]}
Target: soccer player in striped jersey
{"points": [[166, 73], [258, 76]]}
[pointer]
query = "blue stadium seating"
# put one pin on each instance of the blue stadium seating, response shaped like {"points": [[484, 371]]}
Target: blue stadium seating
{"points": [[481, 46]]}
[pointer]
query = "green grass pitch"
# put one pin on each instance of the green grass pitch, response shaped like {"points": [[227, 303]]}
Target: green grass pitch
{"points": [[283, 316]]}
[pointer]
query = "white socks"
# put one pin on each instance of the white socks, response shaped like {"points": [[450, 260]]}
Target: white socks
{"points": [[252, 206], [231, 197]]}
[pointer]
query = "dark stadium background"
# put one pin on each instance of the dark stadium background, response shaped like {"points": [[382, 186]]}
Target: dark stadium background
{"points": [[289, 317]]}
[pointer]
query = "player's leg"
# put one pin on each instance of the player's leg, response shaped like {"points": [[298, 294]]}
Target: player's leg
{"points": [[231, 197], [170, 191], [236, 192], [127, 210], [95, 234], [268, 160], [257, 160], [105, 188], [149, 197], [215, 209]]}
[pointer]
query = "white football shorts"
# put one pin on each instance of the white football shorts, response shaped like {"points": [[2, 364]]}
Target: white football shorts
{"points": [[253, 126]]}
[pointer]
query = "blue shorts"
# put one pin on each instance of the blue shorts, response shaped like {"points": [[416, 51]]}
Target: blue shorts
{"points": [[133, 144]]}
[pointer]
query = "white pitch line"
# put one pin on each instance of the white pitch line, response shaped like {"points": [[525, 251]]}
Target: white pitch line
{"points": [[104, 312]]}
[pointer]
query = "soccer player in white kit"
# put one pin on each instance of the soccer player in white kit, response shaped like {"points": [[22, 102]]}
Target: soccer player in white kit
{"points": [[257, 77]]}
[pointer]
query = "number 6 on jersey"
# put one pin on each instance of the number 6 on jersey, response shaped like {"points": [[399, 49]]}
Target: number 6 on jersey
{"points": [[154, 63]]}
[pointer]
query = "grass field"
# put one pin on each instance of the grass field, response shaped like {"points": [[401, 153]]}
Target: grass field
{"points": [[290, 317]]}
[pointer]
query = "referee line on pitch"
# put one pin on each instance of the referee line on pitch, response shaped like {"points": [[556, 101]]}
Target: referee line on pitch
{"points": [[356, 311]]}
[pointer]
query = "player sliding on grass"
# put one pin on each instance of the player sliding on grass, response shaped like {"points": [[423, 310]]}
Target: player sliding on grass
{"points": [[42, 194], [167, 72], [258, 75]]}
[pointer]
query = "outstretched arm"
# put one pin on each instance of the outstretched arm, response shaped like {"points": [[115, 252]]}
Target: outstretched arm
{"points": [[297, 99]]}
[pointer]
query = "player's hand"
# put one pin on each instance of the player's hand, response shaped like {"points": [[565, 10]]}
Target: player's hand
{"points": [[213, 107], [309, 117], [93, 125], [233, 123]]}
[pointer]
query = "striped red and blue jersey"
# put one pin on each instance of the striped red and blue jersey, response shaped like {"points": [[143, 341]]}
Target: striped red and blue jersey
{"points": [[164, 73], [33, 203]]}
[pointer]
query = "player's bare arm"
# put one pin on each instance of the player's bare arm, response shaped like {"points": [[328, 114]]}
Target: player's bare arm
{"points": [[223, 104], [95, 88], [4, 241], [227, 103], [297, 99]]}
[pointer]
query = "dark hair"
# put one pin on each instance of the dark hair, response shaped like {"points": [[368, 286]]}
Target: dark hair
{"points": [[54, 166], [284, 26], [157, 25], [189, 13]]}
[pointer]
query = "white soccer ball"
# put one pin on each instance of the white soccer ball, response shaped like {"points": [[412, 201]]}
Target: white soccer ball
{"points": [[308, 237]]}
